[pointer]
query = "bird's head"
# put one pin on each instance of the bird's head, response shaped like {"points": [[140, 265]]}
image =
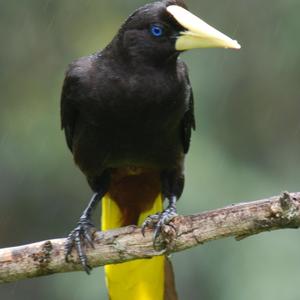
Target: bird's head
{"points": [[160, 30]]}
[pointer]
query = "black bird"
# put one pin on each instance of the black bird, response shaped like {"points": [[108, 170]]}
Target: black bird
{"points": [[128, 112]]}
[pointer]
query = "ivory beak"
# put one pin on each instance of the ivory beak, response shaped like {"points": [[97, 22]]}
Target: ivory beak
{"points": [[198, 34]]}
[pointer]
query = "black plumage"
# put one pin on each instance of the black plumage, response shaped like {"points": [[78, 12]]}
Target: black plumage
{"points": [[128, 111]]}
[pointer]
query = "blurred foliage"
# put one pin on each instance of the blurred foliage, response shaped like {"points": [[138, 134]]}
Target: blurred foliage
{"points": [[246, 145]]}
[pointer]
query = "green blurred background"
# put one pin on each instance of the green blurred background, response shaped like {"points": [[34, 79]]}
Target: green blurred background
{"points": [[246, 146]]}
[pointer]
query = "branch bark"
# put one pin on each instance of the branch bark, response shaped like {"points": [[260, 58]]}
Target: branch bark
{"points": [[124, 244]]}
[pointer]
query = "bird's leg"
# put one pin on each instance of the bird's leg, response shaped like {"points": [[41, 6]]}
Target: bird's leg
{"points": [[81, 235], [172, 186]]}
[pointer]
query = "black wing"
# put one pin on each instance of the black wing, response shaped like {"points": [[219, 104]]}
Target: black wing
{"points": [[72, 93], [188, 123], [68, 111]]}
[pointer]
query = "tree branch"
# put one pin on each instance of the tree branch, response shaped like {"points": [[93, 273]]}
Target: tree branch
{"points": [[124, 244]]}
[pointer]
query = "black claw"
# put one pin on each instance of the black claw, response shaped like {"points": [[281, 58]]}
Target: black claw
{"points": [[80, 238], [87, 269], [158, 221], [90, 242], [157, 232], [143, 229], [88, 239], [150, 221]]}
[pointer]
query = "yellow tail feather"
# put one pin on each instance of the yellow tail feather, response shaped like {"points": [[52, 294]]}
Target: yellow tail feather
{"points": [[136, 280]]}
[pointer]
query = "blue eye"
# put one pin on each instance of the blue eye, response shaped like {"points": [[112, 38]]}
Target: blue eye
{"points": [[157, 30]]}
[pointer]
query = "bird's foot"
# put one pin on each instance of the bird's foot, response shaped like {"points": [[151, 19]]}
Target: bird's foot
{"points": [[80, 238], [158, 221]]}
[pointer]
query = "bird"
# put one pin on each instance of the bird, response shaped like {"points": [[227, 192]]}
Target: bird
{"points": [[127, 112]]}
